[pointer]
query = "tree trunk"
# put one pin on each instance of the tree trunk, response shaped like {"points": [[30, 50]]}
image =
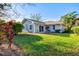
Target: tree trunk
{"points": [[10, 43]]}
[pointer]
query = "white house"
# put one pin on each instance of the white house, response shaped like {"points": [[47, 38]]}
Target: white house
{"points": [[35, 26], [53, 26]]}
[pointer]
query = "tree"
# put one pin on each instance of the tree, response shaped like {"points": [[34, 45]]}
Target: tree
{"points": [[6, 32], [68, 20], [10, 33], [9, 10], [2, 21], [36, 17], [17, 27], [15, 12], [3, 8]]}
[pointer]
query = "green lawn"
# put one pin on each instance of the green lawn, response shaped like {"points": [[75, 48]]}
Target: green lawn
{"points": [[48, 44]]}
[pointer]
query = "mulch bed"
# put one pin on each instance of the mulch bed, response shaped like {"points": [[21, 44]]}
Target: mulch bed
{"points": [[5, 51]]}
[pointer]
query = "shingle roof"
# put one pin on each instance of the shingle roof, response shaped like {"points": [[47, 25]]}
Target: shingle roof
{"points": [[53, 22], [46, 22], [24, 20]]}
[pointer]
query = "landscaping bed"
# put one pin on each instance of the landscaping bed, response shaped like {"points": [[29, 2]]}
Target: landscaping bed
{"points": [[5, 51]]}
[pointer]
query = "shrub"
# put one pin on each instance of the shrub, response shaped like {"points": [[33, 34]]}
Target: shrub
{"points": [[75, 29], [6, 31], [57, 31], [3, 37], [17, 27], [67, 31]]}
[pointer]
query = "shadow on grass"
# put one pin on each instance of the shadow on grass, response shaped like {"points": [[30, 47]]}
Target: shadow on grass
{"points": [[27, 38], [27, 42]]}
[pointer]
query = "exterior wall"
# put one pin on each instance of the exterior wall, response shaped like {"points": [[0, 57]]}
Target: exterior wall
{"points": [[57, 27], [51, 28], [35, 26], [27, 26], [62, 28]]}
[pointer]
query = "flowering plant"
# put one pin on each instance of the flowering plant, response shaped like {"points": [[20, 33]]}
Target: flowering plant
{"points": [[7, 29]]}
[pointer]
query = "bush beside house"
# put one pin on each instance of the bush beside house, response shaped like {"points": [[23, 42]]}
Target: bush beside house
{"points": [[75, 29], [17, 27]]}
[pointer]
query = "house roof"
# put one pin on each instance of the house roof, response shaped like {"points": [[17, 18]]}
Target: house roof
{"points": [[46, 22], [53, 22], [77, 19], [26, 19]]}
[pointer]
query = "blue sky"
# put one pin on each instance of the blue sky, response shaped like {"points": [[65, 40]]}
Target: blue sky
{"points": [[48, 11]]}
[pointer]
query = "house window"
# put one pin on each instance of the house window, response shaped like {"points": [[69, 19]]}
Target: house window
{"points": [[30, 27], [54, 27]]}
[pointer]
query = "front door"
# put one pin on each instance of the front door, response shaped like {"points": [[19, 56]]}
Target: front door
{"points": [[41, 28], [47, 29]]}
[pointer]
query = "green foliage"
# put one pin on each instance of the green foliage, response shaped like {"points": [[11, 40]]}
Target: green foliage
{"points": [[2, 5], [3, 9], [67, 31], [57, 31], [17, 27], [76, 29], [68, 20], [2, 21]]}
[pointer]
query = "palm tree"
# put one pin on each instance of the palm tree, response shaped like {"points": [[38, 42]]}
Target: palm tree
{"points": [[68, 20]]}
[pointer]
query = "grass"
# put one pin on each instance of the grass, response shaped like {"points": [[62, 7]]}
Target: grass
{"points": [[49, 44]]}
